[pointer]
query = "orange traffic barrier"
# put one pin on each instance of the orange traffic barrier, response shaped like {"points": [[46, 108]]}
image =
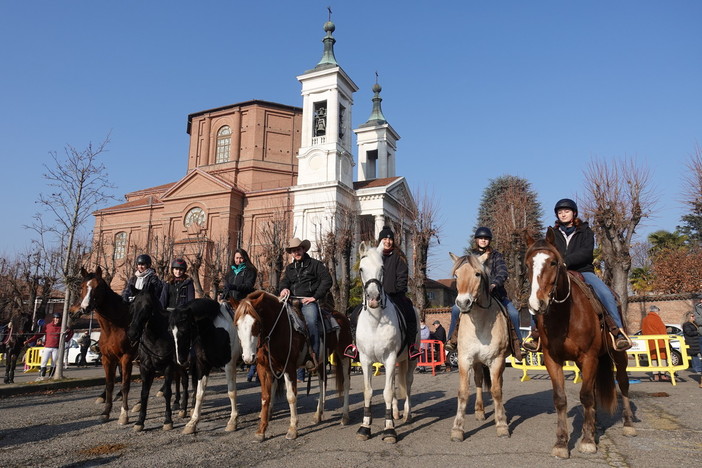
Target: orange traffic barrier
{"points": [[432, 355]]}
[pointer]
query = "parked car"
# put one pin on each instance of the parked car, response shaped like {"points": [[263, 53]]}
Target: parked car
{"points": [[91, 357], [676, 339]]}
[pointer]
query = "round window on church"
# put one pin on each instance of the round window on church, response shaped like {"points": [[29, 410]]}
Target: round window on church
{"points": [[195, 216]]}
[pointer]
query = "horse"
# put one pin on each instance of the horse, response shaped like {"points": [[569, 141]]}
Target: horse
{"points": [[379, 339], [115, 346], [270, 339], [16, 332], [570, 329], [211, 333], [483, 342], [148, 331]]}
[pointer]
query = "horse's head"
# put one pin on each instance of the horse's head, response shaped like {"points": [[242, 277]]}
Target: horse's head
{"points": [[248, 326], [545, 268], [141, 309], [91, 292], [471, 279], [182, 326], [371, 271]]}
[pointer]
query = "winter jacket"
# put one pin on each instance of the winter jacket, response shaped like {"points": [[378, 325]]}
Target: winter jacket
{"points": [[52, 331], [152, 281], [692, 338], [395, 272], [578, 254], [306, 278], [177, 293], [238, 286], [497, 267]]}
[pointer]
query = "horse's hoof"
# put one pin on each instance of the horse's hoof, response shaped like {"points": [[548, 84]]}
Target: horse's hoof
{"points": [[181, 414], [138, 427], [363, 433], [231, 427], [480, 415], [292, 434], [136, 408], [259, 437], [104, 418], [456, 435], [345, 420], [189, 430], [176, 406], [123, 420], [159, 394], [503, 431], [389, 436], [408, 419], [629, 431], [560, 452], [168, 427], [99, 400], [317, 419], [587, 447]]}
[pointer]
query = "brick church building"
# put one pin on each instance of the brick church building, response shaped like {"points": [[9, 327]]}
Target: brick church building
{"points": [[260, 173]]}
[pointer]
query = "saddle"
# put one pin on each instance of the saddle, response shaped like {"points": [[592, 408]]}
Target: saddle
{"points": [[605, 318], [511, 333]]}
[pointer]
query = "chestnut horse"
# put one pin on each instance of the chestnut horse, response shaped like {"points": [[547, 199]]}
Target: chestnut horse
{"points": [[483, 340], [115, 347], [571, 330], [269, 337]]}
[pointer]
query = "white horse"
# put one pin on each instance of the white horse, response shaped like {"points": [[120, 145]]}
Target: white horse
{"points": [[482, 341], [378, 339]]}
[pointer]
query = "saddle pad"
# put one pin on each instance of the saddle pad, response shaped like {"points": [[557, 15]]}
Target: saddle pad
{"points": [[577, 278], [297, 321]]}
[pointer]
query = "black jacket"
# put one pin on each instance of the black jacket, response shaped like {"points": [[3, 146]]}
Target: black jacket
{"points": [[395, 273], [239, 286], [307, 278], [151, 282], [177, 293], [498, 271], [692, 338], [578, 255]]}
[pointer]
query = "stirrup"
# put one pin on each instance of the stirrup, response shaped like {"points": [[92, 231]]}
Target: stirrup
{"points": [[351, 351], [621, 342], [414, 351], [531, 345]]}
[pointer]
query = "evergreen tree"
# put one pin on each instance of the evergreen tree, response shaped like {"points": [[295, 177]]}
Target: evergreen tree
{"points": [[692, 192]]}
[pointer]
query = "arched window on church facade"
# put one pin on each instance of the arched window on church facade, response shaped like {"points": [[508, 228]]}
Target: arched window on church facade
{"points": [[224, 143]]}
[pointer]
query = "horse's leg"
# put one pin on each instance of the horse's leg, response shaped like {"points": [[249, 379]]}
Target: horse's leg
{"points": [[345, 369], [555, 372], [321, 371], [389, 434], [291, 395], [167, 393], [621, 362], [496, 372], [11, 365], [364, 432], [109, 365], [191, 427], [588, 370], [126, 362], [183, 411], [409, 380], [266, 381], [479, 378], [404, 378], [457, 433], [147, 379], [176, 379], [8, 360], [230, 372]]}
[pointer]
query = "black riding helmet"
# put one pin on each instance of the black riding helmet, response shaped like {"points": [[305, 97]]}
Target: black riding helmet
{"points": [[179, 263], [482, 231], [143, 259], [566, 203]]}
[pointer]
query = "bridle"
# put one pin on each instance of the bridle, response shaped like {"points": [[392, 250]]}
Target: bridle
{"points": [[266, 342], [383, 297], [559, 269]]}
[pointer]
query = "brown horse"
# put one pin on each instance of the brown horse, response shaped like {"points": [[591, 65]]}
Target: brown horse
{"points": [[571, 330], [269, 337], [12, 342], [115, 347]]}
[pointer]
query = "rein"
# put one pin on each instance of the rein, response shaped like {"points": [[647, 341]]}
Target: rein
{"points": [[552, 295], [383, 297], [267, 341]]}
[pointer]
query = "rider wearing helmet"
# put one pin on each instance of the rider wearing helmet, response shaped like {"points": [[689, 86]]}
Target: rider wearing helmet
{"points": [[178, 288], [576, 242], [144, 277], [498, 276]]}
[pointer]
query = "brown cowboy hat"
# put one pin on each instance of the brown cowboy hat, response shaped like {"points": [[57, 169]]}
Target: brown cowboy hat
{"points": [[295, 243]]}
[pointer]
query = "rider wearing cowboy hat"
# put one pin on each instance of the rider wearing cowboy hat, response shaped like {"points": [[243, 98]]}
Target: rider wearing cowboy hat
{"points": [[308, 279]]}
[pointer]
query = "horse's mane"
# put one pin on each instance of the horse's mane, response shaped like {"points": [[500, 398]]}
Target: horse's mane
{"points": [[200, 309], [543, 244], [251, 304], [470, 259]]}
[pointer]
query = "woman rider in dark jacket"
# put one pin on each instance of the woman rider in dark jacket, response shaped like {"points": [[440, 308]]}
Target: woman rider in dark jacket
{"points": [[241, 277], [178, 289]]}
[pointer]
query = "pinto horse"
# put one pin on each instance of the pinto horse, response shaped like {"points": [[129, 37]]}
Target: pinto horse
{"points": [[115, 347], [148, 331], [16, 332], [269, 338], [202, 326], [483, 340], [571, 330], [379, 339]]}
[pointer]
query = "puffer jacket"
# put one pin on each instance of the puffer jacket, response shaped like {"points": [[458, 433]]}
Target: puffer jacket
{"points": [[578, 253]]}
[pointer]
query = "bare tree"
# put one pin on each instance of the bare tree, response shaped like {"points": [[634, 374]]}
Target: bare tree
{"points": [[274, 234], [217, 264], [336, 249], [79, 182], [618, 198], [425, 233]]}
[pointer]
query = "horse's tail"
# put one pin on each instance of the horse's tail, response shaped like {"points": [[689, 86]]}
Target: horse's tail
{"points": [[487, 381], [604, 385], [345, 339]]}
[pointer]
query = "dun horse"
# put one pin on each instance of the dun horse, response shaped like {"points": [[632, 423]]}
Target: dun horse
{"points": [[269, 337], [12, 342], [379, 339], [211, 333], [115, 347], [482, 341], [570, 329]]}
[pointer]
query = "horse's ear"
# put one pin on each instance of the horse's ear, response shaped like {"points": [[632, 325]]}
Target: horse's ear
{"points": [[98, 272], [550, 235], [484, 257], [83, 272], [454, 257], [362, 249], [528, 240]]}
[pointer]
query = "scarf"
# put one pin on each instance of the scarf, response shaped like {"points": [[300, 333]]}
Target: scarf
{"points": [[141, 278], [238, 268], [387, 252], [567, 230]]}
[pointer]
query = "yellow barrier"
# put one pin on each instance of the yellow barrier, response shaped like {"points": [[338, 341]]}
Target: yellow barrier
{"points": [[2, 358], [32, 360], [639, 353], [376, 365]]}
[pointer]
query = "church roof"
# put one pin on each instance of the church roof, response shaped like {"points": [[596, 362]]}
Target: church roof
{"points": [[253, 102], [138, 203], [373, 183], [157, 190]]}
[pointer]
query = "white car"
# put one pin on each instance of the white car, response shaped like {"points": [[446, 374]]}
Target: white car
{"points": [[74, 353]]}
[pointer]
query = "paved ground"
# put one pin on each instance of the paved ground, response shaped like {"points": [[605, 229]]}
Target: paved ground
{"points": [[58, 427]]}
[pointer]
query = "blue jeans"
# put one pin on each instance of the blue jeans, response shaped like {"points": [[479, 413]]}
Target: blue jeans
{"points": [[513, 315], [311, 314], [605, 296], [697, 363]]}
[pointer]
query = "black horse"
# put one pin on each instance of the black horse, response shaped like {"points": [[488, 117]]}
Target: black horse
{"points": [[12, 342], [156, 351]]}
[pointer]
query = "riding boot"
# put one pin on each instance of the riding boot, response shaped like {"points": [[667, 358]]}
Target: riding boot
{"points": [[532, 343], [452, 342], [620, 340], [515, 342]]}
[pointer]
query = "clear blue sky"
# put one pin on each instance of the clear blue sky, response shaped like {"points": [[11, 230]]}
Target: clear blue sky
{"points": [[475, 89]]}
